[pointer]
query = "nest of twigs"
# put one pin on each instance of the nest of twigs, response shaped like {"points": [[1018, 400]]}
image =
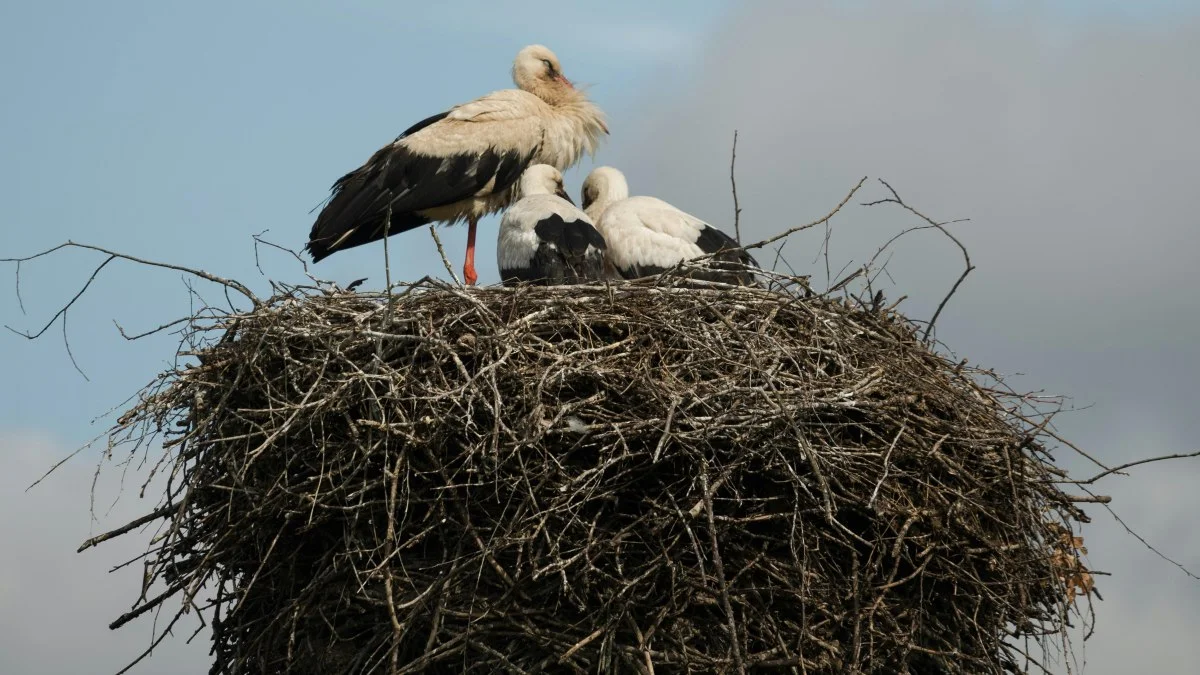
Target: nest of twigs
{"points": [[635, 478]]}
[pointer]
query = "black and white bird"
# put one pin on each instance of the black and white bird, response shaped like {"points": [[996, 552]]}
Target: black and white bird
{"points": [[544, 238], [647, 236], [464, 163]]}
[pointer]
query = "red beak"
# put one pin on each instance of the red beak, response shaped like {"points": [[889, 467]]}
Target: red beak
{"points": [[564, 80]]}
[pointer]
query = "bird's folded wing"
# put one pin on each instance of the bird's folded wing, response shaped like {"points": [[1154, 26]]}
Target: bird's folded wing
{"points": [[663, 218], [506, 104], [493, 123]]}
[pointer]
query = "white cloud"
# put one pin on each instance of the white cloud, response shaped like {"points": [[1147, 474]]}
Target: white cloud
{"points": [[55, 604]]}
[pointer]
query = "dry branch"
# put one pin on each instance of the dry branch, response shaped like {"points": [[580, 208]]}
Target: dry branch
{"points": [[968, 267]]}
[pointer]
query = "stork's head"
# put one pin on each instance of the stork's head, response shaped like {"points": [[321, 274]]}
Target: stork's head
{"points": [[543, 179], [603, 186], [537, 71]]}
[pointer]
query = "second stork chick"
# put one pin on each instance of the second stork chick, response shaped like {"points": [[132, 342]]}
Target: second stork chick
{"points": [[647, 236], [544, 239]]}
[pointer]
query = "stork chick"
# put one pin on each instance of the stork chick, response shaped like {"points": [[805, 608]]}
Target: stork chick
{"points": [[544, 238], [648, 236]]}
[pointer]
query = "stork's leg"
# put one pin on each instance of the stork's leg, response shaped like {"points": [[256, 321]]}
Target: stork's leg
{"points": [[469, 274]]}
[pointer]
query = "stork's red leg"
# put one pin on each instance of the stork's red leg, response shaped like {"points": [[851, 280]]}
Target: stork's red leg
{"points": [[469, 274]]}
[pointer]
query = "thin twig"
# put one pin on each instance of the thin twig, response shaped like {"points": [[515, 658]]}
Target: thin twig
{"points": [[1147, 544], [152, 331], [20, 300], [806, 226], [387, 280], [1120, 469], [734, 637], [259, 240], [161, 512], [63, 310], [228, 283], [886, 465], [737, 209], [67, 344], [442, 252], [968, 266]]}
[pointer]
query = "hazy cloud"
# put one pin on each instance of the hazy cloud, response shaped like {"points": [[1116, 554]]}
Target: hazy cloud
{"points": [[57, 604]]}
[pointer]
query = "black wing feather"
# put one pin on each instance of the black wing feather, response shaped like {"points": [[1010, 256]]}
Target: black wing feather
{"points": [[571, 237], [712, 240], [410, 183], [422, 124], [570, 252]]}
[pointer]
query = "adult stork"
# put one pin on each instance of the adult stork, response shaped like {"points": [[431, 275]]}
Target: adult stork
{"points": [[646, 235], [464, 163], [544, 238]]}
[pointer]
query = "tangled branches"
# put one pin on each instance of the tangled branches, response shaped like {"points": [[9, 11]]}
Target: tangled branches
{"points": [[640, 478]]}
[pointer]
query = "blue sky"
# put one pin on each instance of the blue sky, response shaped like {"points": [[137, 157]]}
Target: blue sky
{"points": [[176, 130]]}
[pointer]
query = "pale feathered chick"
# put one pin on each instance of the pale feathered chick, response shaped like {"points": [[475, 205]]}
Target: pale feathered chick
{"points": [[646, 235]]}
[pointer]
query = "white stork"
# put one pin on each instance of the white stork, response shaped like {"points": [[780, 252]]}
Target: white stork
{"points": [[544, 238], [464, 163], [647, 236]]}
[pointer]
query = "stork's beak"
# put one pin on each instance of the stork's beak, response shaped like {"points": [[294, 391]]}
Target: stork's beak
{"points": [[563, 193], [563, 78]]}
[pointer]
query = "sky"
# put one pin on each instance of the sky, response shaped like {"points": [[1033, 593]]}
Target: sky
{"points": [[174, 131]]}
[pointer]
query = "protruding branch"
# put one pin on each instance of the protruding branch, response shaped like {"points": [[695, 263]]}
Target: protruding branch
{"points": [[442, 252], [895, 199], [112, 255], [737, 209], [228, 283], [132, 525], [1120, 469], [806, 226]]}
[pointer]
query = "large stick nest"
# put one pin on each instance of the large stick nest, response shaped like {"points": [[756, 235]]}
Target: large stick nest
{"points": [[601, 479]]}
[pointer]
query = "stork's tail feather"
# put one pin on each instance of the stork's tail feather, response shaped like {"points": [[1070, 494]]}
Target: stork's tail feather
{"points": [[329, 238], [354, 216], [317, 250]]}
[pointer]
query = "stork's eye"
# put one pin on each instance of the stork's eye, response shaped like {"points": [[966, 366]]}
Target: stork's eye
{"points": [[549, 66]]}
